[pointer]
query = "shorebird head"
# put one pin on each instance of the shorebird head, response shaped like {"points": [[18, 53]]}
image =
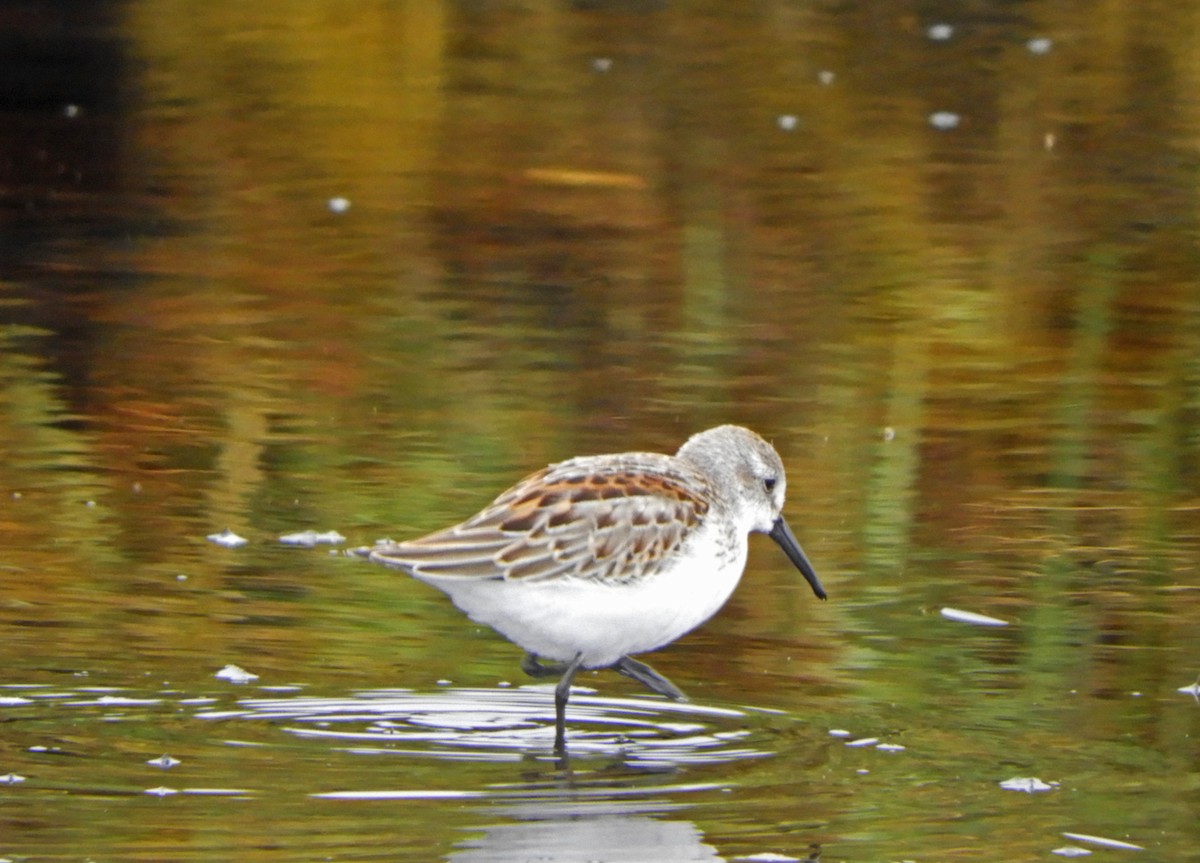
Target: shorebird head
{"points": [[747, 473]]}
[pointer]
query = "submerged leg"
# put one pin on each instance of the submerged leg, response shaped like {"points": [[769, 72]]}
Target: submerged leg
{"points": [[531, 666], [647, 676], [561, 693]]}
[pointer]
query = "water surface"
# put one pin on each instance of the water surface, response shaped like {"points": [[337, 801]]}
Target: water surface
{"points": [[358, 269]]}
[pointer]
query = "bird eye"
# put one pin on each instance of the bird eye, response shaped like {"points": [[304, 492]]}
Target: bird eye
{"points": [[769, 483]]}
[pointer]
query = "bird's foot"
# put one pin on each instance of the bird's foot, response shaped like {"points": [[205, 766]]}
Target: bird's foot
{"points": [[561, 693], [647, 676], [534, 668]]}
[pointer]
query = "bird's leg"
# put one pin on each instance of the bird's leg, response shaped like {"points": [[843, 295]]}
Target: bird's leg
{"points": [[531, 666], [561, 693], [647, 676]]}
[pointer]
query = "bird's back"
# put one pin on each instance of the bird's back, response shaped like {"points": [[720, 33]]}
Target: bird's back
{"points": [[609, 519]]}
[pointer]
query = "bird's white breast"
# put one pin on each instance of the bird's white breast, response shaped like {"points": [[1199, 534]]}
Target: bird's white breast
{"points": [[557, 619]]}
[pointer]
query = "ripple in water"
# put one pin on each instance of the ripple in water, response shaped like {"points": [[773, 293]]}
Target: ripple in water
{"points": [[510, 724]]}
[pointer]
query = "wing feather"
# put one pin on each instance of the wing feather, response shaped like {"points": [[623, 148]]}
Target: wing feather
{"points": [[607, 519]]}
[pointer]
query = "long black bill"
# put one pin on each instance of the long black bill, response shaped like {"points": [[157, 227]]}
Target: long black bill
{"points": [[783, 535]]}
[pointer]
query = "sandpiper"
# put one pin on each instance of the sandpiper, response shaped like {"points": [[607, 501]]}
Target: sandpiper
{"points": [[589, 561]]}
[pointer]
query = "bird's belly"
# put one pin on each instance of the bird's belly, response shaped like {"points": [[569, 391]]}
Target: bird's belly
{"points": [[560, 619]]}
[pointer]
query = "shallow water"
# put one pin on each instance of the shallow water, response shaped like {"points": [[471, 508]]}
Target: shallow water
{"points": [[359, 270]]}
